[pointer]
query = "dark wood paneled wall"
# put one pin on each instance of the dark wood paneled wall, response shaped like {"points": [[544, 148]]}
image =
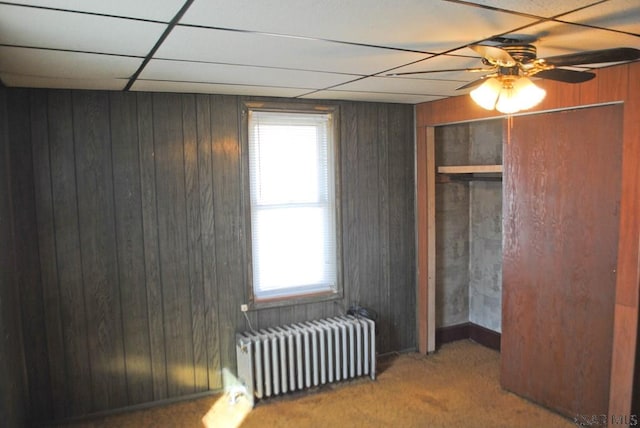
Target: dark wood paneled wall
{"points": [[131, 257], [13, 388], [561, 211]]}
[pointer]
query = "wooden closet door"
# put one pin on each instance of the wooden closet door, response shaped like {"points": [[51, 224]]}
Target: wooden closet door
{"points": [[560, 242]]}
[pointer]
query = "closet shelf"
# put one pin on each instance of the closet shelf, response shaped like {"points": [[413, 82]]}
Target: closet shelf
{"points": [[470, 169]]}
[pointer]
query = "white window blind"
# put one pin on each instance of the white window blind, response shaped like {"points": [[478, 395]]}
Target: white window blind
{"points": [[292, 188]]}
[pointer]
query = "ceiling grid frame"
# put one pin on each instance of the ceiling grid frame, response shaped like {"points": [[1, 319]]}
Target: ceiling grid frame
{"points": [[289, 48]]}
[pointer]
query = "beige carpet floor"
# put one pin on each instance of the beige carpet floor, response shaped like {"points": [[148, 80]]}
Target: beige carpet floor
{"points": [[458, 386]]}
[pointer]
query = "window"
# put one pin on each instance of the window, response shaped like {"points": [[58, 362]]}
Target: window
{"points": [[293, 210]]}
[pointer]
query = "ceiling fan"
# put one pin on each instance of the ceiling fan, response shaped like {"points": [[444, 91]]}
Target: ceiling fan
{"points": [[511, 62]]}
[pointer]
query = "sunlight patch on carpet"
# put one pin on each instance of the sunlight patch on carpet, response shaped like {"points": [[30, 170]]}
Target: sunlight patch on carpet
{"points": [[232, 407], [228, 411]]}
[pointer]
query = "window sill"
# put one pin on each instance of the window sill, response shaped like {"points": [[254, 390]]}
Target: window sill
{"points": [[297, 299]]}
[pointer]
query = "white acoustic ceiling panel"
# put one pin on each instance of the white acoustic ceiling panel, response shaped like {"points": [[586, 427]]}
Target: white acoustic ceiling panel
{"points": [[25, 26], [211, 88], [429, 26], [403, 86], [69, 65], [619, 15], [541, 8], [21, 81], [155, 10], [381, 97], [241, 74], [243, 48]]}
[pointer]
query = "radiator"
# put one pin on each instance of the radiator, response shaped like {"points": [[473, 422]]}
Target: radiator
{"points": [[295, 357]]}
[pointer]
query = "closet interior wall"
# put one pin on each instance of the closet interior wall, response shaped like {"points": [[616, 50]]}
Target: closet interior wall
{"points": [[469, 227]]}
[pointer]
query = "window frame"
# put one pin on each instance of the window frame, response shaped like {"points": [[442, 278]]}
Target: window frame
{"points": [[303, 108]]}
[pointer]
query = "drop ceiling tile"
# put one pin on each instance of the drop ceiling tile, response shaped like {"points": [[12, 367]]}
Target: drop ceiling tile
{"points": [[542, 8], [239, 74], [20, 26], [21, 81], [69, 65], [411, 24], [399, 85], [445, 62], [241, 48], [620, 15], [157, 10], [211, 88], [371, 97]]}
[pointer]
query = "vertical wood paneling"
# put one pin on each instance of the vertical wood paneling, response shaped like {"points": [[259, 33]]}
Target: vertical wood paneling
{"points": [[402, 228], [172, 237], [14, 406], [613, 85], [138, 222], [626, 343], [47, 248], [94, 183], [350, 186], [207, 230], [628, 251], [130, 248], [271, 317], [382, 299], [228, 215], [194, 241], [424, 115], [424, 236], [558, 93], [78, 396], [151, 246], [588, 92], [451, 109], [623, 391], [428, 276], [296, 313], [27, 265], [367, 206]]}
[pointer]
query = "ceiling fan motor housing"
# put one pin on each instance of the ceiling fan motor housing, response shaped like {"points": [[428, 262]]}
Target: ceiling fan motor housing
{"points": [[522, 53]]}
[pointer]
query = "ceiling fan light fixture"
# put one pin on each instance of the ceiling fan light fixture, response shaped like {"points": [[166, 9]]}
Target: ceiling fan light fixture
{"points": [[487, 94], [508, 101], [529, 95], [508, 94]]}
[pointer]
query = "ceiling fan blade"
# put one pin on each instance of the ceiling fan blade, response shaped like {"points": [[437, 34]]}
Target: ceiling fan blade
{"points": [[440, 71], [594, 57], [495, 55], [567, 76]]}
